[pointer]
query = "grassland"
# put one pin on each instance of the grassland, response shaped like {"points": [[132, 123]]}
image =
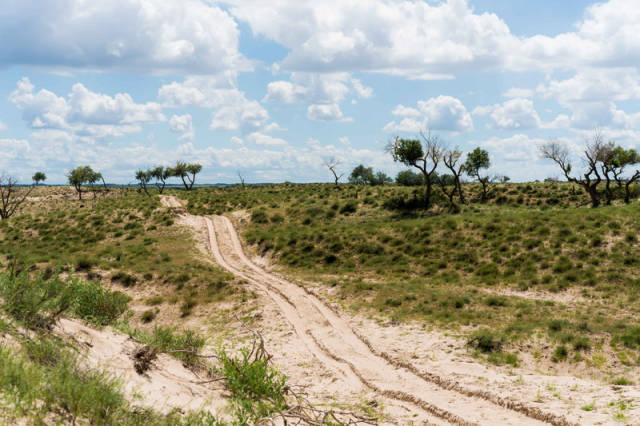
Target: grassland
{"points": [[531, 272]]}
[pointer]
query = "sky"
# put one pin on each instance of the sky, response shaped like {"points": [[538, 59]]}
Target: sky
{"points": [[273, 89]]}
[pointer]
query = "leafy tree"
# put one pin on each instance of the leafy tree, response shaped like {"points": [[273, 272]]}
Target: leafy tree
{"points": [[361, 175], [380, 178], [11, 196], [143, 177], [187, 172], [83, 175], [161, 174], [477, 160], [614, 160], [409, 178], [411, 153], [39, 177], [595, 151]]}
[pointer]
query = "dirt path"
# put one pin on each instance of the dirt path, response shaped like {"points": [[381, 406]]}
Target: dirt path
{"points": [[329, 338]]}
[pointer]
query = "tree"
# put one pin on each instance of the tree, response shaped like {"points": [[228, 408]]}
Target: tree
{"points": [[595, 151], [409, 178], [380, 178], [241, 180], [83, 175], [11, 196], [361, 175], [39, 177], [614, 160], [331, 165], [187, 172], [161, 174], [477, 160], [448, 187], [143, 177], [410, 153], [452, 160]]}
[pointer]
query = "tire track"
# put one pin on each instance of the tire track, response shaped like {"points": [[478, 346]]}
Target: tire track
{"points": [[330, 338]]}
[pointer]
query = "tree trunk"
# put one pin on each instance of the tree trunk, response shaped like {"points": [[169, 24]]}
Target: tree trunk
{"points": [[186, 187]]}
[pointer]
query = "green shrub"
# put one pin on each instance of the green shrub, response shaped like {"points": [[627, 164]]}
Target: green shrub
{"points": [[560, 354], [485, 341]]}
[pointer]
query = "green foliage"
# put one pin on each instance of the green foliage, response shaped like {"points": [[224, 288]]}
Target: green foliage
{"points": [[485, 341], [257, 389], [477, 160], [37, 302], [185, 345], [38, 177], [83, 175], [409, 178], [407, 151]]}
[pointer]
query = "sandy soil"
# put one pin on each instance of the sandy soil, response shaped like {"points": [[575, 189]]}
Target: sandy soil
{"points": [[166, 386], [418, 375]]}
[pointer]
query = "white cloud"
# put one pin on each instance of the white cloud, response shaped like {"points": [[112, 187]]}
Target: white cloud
{"points": [[518, 147], [3, 127], [442, 113], [594, 85], [149, 35], [231, 109], [326, 112], [316, 88], [96, 108], [517, 113], [83, 112], [407, 38], [606, 36], [265, 140], [182, 124]]}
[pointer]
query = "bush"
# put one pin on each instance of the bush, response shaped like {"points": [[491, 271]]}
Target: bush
{"points": [[259, 216], [38, 302], [409, 178], [350, 207], [560, 354], [485, 341]]}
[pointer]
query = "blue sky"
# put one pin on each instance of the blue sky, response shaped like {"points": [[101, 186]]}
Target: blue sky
{"points": [[273, 89]]}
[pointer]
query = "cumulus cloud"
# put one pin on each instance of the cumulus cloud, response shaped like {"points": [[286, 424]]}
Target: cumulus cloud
{"points": [[326, 112], [442, 113], [516, 113], [83, 111], [182, 124], [594, 85], [316, 88], [414, 39], [141, 35], [231, 109], [265, 140]]}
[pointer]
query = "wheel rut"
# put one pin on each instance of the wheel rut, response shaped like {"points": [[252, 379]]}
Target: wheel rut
{"points": [[354, 359]]}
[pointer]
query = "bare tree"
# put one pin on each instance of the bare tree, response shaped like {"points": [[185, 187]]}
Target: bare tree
{"points": [[595, 151], [11, 196], [331, 165], [451, 159], [241, 180]]}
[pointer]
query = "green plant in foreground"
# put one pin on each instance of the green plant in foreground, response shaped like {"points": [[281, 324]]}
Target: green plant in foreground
{"points": [[37, 302], [258, 390]]}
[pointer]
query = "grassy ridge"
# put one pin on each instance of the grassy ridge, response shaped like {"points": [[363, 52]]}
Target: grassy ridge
{"points": [[129, 239], [447, 269]]}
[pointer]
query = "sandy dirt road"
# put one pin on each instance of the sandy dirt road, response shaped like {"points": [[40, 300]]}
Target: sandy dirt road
{"points": [[329, 338]]}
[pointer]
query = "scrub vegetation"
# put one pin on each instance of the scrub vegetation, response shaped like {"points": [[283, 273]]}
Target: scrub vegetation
{"points": [[531, 269]]}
